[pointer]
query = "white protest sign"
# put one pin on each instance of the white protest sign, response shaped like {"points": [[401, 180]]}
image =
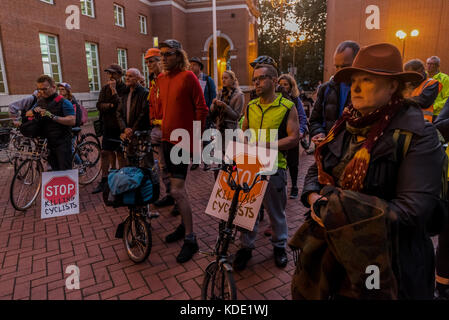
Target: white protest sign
{"points": [[250, 160], [60, 193]]}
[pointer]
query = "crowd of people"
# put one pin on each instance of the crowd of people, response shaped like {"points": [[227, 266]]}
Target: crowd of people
{"points": [[377, 188]]}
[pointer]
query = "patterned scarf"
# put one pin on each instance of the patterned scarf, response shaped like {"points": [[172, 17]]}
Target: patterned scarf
{"points": [[226, 96], [355, 171]]}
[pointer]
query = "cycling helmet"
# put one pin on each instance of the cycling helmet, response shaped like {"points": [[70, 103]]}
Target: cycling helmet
{"points": [[264, 60]]}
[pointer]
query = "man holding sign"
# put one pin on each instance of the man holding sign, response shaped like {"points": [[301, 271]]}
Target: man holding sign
{"points": [[270, 111]]}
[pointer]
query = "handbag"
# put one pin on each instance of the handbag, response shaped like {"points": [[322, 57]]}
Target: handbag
{"points": [[98, 127]]}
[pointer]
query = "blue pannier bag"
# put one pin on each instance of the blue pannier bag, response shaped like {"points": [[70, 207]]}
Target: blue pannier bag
{"points": [[131, 186]]}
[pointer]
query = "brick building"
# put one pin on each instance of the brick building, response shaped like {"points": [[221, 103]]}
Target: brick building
{"points": [[375, 21], [41, 36]]}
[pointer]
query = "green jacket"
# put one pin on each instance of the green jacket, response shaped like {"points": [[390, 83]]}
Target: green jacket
{"points": [[444, 93], [271, 117]]}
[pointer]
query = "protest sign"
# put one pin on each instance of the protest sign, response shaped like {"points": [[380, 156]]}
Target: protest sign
{"points": [[60, 193], [249, 162]]}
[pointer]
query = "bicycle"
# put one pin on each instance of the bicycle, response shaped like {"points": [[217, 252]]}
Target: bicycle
{"points": [[86, 157], [218, 282], [135, 230], [28, 173]]}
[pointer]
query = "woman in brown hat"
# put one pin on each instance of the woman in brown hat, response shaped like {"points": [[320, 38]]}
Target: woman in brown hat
{"points": [[373, 190]]}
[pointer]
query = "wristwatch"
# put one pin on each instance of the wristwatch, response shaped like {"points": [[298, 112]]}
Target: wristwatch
{"points": [[53, 117]]}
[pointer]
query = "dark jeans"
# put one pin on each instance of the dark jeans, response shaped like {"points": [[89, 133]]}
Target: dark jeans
{"points": [[60, 155], [293, 163], [442, 257]]}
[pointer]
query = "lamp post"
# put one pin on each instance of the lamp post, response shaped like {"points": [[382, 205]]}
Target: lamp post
{"points": [[401, 35], [281, 4], [293, 40]]}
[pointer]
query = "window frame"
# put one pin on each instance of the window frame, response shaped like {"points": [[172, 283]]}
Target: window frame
{"points": [[47, 35], [3, 71], [146, 72], [124, 67], [90, 65], [116, 16], [92, 3], [48, 1], [145, 31]]}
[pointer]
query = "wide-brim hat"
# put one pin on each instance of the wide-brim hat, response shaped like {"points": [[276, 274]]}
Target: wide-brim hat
{"points": [[382, 59], [197, 60]]}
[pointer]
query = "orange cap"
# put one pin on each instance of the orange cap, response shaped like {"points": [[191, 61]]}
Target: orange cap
{"points": [[153, 52]]}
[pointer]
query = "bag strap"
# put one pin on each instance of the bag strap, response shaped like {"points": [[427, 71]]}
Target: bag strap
{"points": [[402, 139]]}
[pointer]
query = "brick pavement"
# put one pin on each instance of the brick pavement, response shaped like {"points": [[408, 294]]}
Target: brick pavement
{"points": [[35, 253]]}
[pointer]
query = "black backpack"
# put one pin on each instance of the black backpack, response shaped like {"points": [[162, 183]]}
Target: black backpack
{"points": [[440, 217]]}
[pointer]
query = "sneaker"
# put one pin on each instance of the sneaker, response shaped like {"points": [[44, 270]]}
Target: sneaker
{"points": [[194, 167], [268, 232], [294, 193], [280, 257], [175, 211], [165, 202], [100, 186], [189, 248], [178, 234], [241, 258]]}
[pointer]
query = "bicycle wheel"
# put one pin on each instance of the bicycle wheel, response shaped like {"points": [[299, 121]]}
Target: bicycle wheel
{"points": [[90, 137], [137, 238], [87, 160], [26, 184], [5, 139], [218, 283]]}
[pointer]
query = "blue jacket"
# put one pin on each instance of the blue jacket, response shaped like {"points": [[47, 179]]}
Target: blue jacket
{"points": [[301, 114], [210, 91]]}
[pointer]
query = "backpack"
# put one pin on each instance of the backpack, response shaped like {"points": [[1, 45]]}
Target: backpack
{"points": [[80, 113], [440, 217], [131, 186], [31, 127]]}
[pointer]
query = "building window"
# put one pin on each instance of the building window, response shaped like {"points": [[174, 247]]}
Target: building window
{"points": [[146, 73], [3, 84], [122, 59], [50, 56], [143, 24], [119, 16], [87, 8], [48, 1], [93, 71]]}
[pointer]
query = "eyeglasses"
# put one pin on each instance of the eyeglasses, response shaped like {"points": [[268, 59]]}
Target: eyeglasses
{"points": [[168, 53], [43, 89], [152, 60], [260, 78]]}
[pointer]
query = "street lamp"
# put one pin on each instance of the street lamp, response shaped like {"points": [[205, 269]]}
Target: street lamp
{"points": [[293, 40], [401, 35], [281, 4]]}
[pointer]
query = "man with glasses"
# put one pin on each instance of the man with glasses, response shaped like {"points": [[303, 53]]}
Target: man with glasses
{"points": [[182, 102], [270, 111], [433, 69], [58, 119], [107, 104], [153, 62]]}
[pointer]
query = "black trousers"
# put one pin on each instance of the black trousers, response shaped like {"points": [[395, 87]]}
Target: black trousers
{"points": [[293, 164], [60, 155]]}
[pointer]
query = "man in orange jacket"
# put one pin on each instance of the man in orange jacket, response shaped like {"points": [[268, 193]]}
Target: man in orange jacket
{"points": [[425, 92]]}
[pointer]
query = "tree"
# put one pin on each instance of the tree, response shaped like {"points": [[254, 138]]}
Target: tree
{"points": [[310, 17]]}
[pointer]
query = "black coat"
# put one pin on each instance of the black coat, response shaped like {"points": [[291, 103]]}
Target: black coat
{"points": [[411, 189], [326, 109], [139, 113]]}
